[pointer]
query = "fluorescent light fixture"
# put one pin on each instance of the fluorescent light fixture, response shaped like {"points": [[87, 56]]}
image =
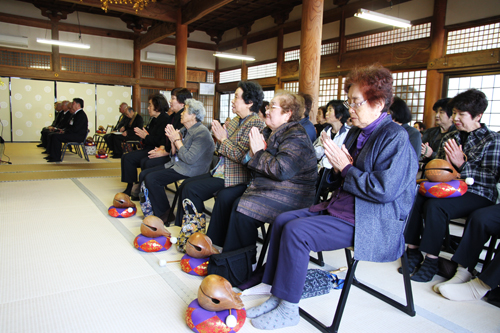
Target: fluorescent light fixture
{"points": [[382, 18], [161, 57], [234, 56], [63, 43], [14, 41]]}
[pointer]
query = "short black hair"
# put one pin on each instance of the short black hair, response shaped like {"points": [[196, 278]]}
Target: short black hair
{"points": [[308, 103], [400, 111], [421, 125], [252, 93], [181, 94], [323, 110], [444, 104], [79, 101], [341, 112], [159, 102], [472, 101], [262, 108]]}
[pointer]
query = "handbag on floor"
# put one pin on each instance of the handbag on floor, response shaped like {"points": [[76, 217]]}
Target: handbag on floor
{"points": [[191, 223], [235, 266], [146, 207]]}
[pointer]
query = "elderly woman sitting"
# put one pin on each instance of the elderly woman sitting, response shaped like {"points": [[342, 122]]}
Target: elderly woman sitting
{"points": [[191, 152], [284, 174], [368, 210], [474, 151], [229, 178]]}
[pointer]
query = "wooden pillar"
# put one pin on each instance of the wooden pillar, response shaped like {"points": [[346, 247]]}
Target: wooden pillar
{"points": [[280, 59], [181, 36], [342, 39], [244, 67], [434, 86], [56, 58], [136, 89], [310, 51]]}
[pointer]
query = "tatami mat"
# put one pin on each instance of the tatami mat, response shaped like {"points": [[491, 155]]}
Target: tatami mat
{"points": [[67, 266]]}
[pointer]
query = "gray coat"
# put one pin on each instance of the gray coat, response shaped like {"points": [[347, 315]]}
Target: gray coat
{"points": [[195, 156], [382, 181]]}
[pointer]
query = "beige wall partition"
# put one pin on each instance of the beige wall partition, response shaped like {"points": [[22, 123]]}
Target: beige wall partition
{"points": [[5, 109], [32, 108], [68, 91], [109, 99]]}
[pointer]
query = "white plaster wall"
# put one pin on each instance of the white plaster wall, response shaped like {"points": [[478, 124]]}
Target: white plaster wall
{"points": [[266, 49], [459, 11], [195, 58], [331, 30]]}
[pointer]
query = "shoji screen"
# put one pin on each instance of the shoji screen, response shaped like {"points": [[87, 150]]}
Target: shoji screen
{"points": [[32, 108], [5, 109], [68, 91], [109, 99]]}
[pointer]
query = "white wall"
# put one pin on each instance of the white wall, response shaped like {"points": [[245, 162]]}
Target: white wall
{"points": [[459, 11]]}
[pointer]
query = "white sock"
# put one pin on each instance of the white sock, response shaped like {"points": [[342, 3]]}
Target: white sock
{"points": [[470, 291], [462, 275], [285, 315], [269, 305]]}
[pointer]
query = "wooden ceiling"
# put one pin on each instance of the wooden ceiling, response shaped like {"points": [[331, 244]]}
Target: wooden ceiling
{"points": [[211, 16]]}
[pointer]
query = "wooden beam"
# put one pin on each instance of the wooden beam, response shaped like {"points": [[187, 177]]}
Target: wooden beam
{"points": [[466, 60], [155, 10], [45, 24], [155, 34], [196, 9], [329, 16]]}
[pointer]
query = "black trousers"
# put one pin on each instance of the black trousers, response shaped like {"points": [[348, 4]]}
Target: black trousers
{"points": [[130, 162], [147, 163], [223, 212], [54, 144], [481, 225], [115, 143], [44, 136], [435, 214], [242, 230], [197, 189], [156, 179], [107, 138]]}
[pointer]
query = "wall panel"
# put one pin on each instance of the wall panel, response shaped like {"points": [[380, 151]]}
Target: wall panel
{"points": [[109, 99], [32, 108], [68, 91], [5, 109]]}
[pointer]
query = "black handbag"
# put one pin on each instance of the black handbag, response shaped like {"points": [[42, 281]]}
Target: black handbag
{"points": [[235, 266]]}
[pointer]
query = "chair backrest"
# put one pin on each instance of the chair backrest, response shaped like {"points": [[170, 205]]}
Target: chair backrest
{"points": [[109, 127]]}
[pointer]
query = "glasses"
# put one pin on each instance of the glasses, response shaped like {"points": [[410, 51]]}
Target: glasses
{"points": [[354, 106]]}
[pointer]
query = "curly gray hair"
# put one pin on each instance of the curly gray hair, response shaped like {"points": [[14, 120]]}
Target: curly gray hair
{"points": [[195, 107]]}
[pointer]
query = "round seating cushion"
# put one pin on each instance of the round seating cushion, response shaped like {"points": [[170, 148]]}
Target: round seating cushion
{"points": [[121, 212], [149, 244], [452, 189], [203, 321], [101, 156], [194, 266]]}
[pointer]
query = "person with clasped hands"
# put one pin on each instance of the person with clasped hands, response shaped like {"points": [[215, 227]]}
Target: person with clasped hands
{"points": [[152, 136], [474, 151], [191, 153], [228, 180], [284, 173], [378, 168]]}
